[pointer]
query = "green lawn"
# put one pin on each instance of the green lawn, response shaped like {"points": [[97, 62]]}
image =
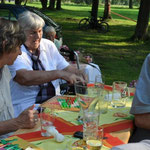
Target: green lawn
{"points": [[118, 57]]}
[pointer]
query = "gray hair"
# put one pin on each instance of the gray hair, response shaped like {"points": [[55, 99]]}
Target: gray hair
{"points": [[29, 20], [49, 29], [11, 36]]}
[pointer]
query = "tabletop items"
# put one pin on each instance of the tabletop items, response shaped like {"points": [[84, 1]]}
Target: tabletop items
{"points": [[93, 102], [65, 122], [92, 99], [46, 119], [47, 124]]}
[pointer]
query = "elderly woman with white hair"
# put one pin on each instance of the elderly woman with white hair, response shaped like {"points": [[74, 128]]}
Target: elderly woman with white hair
{"points": [[35, 72], [50, 33]]}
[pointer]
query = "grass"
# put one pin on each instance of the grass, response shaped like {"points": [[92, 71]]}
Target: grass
{"points": [[118, 57]]}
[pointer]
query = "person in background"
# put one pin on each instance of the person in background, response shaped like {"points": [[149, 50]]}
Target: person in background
{"points": [[11, 38], [50, 34], [35, 73]]}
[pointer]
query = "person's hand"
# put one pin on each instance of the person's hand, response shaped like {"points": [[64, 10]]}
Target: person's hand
{"points": [[82, 74], [27, 119], [71, 77]]}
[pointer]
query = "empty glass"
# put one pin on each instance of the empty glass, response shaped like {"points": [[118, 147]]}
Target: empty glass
{"points": [[120, 94], [47, 120], [103, 101]]}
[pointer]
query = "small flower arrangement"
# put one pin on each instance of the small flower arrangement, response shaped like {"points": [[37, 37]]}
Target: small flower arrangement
{"points": [[84, 58], [133, 84]]}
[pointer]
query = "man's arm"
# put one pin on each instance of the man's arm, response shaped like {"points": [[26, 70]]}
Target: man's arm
{"points": [[142, 120]]}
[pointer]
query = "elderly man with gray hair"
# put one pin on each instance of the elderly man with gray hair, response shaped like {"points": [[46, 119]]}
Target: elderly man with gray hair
{"points": [[50, 33], [35, 72]]}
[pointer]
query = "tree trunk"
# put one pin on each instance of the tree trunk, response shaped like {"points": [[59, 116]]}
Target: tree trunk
{"points": [[2, 1], [44, 4], [130, 4], [25, 2], [94, 11], [107, 10], [58, 5], [141, 31], [51, 4], [18, 2]]}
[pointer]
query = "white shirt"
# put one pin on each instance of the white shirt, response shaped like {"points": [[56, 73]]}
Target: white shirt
{"points": [[92, 70], [25, 96]]}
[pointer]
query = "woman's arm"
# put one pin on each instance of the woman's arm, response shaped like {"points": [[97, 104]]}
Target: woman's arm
{"points": [[28, 78]]}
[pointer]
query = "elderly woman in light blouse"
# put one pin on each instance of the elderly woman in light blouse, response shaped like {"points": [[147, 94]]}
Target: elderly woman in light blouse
{"points": [[11, 38], [35, 72]]}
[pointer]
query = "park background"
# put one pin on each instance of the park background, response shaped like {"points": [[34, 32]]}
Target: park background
{"points": [[118, 56]]}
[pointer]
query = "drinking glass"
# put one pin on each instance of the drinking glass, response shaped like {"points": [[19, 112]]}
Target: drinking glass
{"points": [[47, 120], [103, 95], [90, 124], [103, 100], [95, 142], [120, 94], [100, 81], [86, 96]]}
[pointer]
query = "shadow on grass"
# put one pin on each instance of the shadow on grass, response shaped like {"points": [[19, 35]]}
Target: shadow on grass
{"points": [[118, 57]]}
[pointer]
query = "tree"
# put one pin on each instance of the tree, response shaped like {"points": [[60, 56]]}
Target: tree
{"points": [[58, 5], [51, 4], [107, 10], [2, 1], [94, 11], [130, 4], [141, 31], [44, 4], [18, 2]]}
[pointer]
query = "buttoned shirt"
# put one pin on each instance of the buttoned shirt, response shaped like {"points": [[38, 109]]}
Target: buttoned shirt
{"points": [[25, 96]]}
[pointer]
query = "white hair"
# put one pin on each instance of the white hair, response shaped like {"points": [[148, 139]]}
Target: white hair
{"points": [[49, 29], [29, 20]]}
